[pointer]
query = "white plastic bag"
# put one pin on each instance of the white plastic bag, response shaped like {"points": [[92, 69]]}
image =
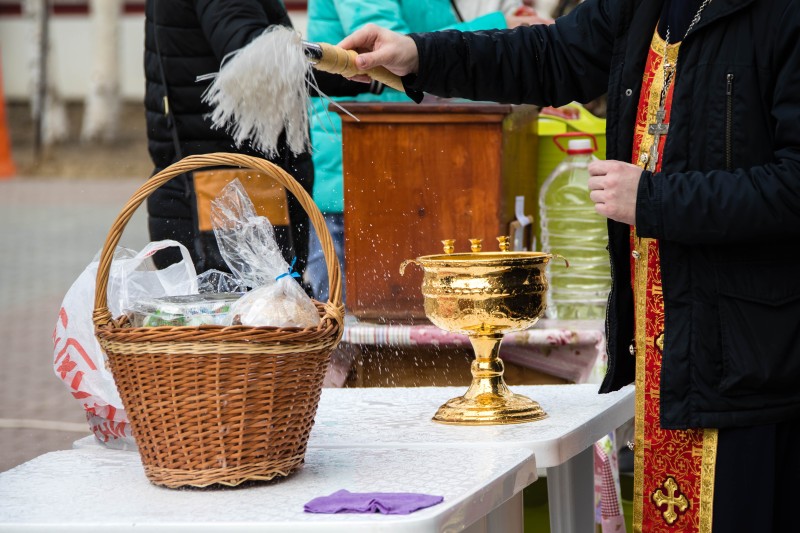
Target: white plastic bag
{"points": [[78, 359]]}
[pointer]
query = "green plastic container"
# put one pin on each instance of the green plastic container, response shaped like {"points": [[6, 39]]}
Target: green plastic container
{"points": [[571, 118]]}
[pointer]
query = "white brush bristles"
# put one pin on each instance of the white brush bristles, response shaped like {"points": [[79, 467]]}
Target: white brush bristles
{"points": [[261, 90]]}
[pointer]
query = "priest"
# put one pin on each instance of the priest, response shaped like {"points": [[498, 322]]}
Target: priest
{"points": [[702, 194]]}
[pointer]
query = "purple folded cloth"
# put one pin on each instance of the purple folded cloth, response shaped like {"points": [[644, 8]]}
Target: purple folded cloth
{"points": [[371, 502]]}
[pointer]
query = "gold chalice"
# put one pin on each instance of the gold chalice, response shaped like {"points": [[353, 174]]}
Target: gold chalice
{"points": [[485, 295]]}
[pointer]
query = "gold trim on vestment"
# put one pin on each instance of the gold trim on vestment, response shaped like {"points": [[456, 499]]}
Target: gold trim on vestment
{"points": [[639, 296], [707, 479]]}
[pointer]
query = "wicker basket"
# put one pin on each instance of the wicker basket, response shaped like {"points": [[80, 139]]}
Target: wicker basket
{"points": [[212, 404]]}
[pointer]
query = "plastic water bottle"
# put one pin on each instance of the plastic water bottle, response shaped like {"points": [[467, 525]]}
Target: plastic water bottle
{"points": [[570, 227]]}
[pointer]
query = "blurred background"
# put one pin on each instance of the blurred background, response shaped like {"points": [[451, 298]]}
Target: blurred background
{"points": [[73, 150], [67, 168]]}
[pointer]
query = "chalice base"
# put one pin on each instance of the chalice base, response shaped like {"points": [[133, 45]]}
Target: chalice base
{"points": [[489, 409]]}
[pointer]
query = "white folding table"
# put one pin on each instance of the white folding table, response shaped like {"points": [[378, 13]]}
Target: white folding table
{"points": [[577, 417], [95, 489], [364, 440]]}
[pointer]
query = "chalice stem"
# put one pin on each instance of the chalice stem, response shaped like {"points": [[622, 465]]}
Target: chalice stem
{"points": [[488, 399], [487, 368]]}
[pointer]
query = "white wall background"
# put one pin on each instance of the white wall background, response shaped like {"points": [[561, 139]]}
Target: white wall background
{"points": [[71, 38]]}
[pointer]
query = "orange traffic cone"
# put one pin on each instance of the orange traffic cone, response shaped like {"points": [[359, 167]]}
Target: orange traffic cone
{"points": [[7, 168]]}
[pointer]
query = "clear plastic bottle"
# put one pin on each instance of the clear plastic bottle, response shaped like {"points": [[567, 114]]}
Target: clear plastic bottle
{"points": [[570, 227]]}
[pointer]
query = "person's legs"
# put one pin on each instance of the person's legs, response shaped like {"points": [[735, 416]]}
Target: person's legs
{"points": [[169, 216], [755, 479], [317, 271], [788, 472], [302, 169]]}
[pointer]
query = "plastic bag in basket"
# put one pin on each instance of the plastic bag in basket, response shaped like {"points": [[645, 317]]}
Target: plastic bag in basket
{"points": [[247, 243], [78, 359]]}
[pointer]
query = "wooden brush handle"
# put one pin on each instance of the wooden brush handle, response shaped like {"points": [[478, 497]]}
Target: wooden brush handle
{"points": [[337, 60]]}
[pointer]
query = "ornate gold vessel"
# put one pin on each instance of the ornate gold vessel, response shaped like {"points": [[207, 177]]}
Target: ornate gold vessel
{"points": [[485, 295]]}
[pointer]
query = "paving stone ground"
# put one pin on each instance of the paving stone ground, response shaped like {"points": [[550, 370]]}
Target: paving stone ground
{"points": [[50, 229], [54, 216]]}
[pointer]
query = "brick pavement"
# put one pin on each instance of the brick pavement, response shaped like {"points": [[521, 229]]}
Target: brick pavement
{"points": [[49, 231]]}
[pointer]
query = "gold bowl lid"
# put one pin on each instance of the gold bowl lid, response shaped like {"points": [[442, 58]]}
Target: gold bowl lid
{"points": [[484, 258]]}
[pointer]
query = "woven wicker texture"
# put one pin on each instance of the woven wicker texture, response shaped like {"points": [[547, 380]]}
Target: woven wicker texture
{"points": [[211, 404]]}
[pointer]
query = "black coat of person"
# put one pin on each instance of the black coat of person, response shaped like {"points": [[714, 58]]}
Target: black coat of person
{"points": [[193, 38]]}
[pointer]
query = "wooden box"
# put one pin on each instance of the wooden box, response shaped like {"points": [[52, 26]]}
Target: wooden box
{"points": [[415, 174]]}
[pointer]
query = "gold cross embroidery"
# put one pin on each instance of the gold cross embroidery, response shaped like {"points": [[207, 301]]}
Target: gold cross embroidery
{"points": [[672, 499]]}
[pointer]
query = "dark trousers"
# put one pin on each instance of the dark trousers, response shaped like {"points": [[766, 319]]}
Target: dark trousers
{"points": [[757, 478]]}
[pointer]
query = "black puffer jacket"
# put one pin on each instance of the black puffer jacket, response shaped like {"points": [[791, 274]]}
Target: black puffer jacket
{"points": [[725, 208], [193, 38]]}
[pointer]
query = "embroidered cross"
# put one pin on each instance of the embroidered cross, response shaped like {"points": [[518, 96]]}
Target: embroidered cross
{"points": [[672, 499]]}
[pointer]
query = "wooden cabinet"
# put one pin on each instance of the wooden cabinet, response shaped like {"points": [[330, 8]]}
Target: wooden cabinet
{"points": [[415, 174]]}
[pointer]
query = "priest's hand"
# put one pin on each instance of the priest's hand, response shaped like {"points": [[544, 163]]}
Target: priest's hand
{"points": [[379, 47], [612, 187]]}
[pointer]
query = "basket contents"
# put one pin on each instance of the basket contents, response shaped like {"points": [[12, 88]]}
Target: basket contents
{"points": [[186, 310], [248, 246], [215, 281]]}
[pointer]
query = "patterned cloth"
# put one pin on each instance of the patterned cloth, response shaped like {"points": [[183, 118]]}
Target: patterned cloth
{"points": [[576, 354], [607, 487]]}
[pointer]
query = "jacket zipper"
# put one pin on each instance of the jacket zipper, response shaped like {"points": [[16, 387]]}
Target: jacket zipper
{"points": [[729, 123]]}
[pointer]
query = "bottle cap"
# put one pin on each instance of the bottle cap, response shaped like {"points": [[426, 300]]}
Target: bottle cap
{"points": [[580, 146]]}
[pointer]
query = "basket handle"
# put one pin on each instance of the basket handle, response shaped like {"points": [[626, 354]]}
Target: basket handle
{"points": [[333, 308]]}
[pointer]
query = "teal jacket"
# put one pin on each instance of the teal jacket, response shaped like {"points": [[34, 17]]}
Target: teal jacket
{"points": [[331, 21]]}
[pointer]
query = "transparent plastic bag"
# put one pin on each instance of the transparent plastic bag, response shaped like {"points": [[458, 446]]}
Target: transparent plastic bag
{"points": [[246, 240], [247, 243], [217, 281]]}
